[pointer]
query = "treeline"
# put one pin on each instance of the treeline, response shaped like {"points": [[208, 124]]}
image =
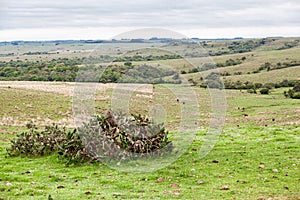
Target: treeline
{"points": [[280, 65], [245, 46], [64, 69], [145, 58], [238, 46], [250, 85], [39, 53], [241, 46], [129, 74], [149, 74], [61, 69], [267, 66], [288, 45], [208, 66], [213, 80]]}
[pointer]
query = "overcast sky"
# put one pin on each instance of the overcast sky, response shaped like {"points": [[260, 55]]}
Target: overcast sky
{"points": [[96, 19]]}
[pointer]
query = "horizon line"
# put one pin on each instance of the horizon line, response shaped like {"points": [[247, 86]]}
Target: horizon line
{"points": [[152, 38]]}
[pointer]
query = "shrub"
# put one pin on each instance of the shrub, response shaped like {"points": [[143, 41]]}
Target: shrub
{"points": [[73, 150], [121, 136], [251, 91], [104, 136], [264, 91], [238, 73], [296, 96], [296, 87], [36, 142], [269, 85], [293, 93], [194, 70], [258, 85], [213, 80]]}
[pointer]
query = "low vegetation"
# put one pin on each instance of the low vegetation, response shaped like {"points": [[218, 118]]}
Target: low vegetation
{"points": [[262, 163], [105, 136], [293, 93], [268, 66], [145, 58], [67, 70], [213, 80]]}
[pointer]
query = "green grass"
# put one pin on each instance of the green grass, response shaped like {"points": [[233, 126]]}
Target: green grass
{"points": [[274, 76], [19, 106], [239, 153], [261, 109], [253, 61]]}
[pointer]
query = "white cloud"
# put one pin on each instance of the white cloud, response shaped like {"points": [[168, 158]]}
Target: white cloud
{"points": [[68, 16]]}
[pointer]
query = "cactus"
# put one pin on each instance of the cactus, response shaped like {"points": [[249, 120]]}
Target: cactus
{"points": [[104, 136], [119, 136]]}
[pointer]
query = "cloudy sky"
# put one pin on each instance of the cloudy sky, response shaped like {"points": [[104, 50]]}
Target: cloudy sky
{"points": [[97, 19]]}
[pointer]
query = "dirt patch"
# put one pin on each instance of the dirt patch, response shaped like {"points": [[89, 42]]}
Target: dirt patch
{"points": [[145, 91], [15, 121], [67, 88]]}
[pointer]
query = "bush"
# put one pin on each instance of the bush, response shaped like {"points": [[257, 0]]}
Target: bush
{"points": [[194, 70], [37, 142], [213, 80], [122, 137], [251, 91], [258, 85], [293, 93], [296, 96], [104, 136], [296, 87], [269, 85], [73, 150], [264, 91]]}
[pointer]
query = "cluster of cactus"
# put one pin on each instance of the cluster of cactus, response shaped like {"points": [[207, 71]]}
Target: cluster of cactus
{"points": [[72, 149], [104, 136], [120, 136], [51, 139], [35, 142]]}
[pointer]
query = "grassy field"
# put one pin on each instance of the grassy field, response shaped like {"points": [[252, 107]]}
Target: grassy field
{"points": [[66, 50], [256, 156], [248, 163], [253, 60], [20, 106], [292, 73]]}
